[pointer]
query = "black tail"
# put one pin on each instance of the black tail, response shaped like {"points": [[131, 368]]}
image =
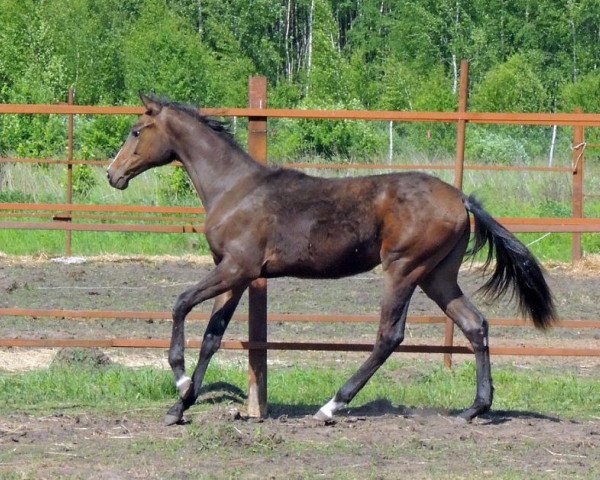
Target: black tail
{"points": [[516, 268]]}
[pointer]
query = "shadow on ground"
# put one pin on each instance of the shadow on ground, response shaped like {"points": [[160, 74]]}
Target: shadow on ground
{"points": [[222, 392]]}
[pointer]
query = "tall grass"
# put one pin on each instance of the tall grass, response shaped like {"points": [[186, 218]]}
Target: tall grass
{"points": [[301, 390], [509, 194]]}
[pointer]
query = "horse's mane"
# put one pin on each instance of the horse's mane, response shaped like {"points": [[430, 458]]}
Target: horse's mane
{"points": [[222, 128]]}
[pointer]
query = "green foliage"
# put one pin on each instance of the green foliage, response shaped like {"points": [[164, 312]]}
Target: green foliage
{"points": [[584, 94], [492, 147], [12, 196], [33, 136], [100, 137], [512, 86], [175, 185], [327, 139], [161, 54], [84, 181], [365, 54]]}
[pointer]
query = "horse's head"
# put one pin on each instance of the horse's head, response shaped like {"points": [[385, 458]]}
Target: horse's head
{"points": [[148, 145]]}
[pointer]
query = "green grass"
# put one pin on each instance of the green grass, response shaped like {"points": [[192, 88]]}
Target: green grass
{"points": [[52, 243], [301, 390], [507, 194]]}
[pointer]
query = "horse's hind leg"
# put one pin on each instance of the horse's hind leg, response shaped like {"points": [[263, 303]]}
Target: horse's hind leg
{"points": [[441, 286], [394, 308]]}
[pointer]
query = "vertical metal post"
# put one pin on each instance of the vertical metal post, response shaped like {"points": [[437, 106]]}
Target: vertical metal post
{"points": [[578, 168], [70, 134], [461, 125], [257, 315], [459, 166]]}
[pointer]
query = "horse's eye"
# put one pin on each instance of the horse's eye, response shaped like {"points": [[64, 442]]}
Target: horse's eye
{"points": [[135, 133]]}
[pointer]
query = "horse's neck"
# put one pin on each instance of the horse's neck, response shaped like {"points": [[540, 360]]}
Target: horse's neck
{"points": [[215, 165]]}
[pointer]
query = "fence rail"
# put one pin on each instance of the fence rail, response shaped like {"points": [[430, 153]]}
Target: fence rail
{"points": [[563, 119], [69, 216]]}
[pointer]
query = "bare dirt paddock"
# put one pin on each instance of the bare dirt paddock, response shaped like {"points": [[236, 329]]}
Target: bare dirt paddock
{"points": [[376, 440]]}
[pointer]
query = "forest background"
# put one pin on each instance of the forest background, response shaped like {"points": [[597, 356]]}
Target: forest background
{"points": [[525, 56]]}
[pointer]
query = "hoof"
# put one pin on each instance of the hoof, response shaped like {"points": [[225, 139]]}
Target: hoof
{"points": [[175, 414], [462, 419], [171, 419]]}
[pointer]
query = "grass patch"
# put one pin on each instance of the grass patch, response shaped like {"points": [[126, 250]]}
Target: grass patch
{"points": [[301, 390], [504, 194]]}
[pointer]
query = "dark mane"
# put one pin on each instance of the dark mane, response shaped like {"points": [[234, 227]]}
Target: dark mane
{"points": [[222, 128]]}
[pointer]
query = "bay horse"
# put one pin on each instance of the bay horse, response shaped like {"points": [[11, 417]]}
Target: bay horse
{"points": [[264, 221]]}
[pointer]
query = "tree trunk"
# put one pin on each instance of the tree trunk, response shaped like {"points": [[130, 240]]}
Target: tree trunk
{"points": [[391, 143], [288, 65], [552, 145], [200, 17], [454, 74], [310, 41]]}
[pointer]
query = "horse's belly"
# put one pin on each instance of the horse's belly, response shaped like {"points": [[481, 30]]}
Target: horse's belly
{"points": [[323, 261]]}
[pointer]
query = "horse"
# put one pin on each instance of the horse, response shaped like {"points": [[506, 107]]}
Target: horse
{"points": [[266, 222]]}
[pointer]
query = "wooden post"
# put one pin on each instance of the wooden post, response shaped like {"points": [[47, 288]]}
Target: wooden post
{"points": [[578, 168], [459, 166], [70, 134], [257, 314]]}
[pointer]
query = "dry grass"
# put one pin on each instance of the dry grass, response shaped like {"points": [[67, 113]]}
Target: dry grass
{"points": [[108, 258], [587, 266]]}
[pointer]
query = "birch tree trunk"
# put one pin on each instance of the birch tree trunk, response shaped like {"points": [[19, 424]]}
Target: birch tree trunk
{"points": [[200, 17], [454, 65], [288, 66], [552, 145], [391, 143], [310, 41]]}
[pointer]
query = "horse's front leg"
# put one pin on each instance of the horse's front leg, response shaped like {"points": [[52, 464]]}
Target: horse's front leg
{"points": [[189, 388], [227, 282]]}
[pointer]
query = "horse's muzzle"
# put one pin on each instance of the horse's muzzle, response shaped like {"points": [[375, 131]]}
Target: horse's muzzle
{"points": [[120, 183]]}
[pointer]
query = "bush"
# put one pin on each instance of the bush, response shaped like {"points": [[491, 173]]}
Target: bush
{"points": [[84, 181], [330, 138], [100, 137], [175, 184], [495, 148]]}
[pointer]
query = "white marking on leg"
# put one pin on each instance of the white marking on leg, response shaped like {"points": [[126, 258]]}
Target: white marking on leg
{"points": [[182, 380], [183, 385], [330, 408]]}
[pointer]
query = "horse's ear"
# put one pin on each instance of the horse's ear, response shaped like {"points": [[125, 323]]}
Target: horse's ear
{"points": [[152, 106]]}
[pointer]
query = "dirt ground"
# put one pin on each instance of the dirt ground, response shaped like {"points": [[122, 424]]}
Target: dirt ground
{"points": [[377, 440]]}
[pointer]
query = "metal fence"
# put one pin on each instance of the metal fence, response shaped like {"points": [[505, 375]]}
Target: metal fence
{"points": [[68, 217]]}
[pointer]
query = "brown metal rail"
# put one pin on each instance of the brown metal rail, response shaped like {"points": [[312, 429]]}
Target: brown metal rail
{"points": [[273, 317], [517, 225], [101, 208], [566, 119], [317, 346]]}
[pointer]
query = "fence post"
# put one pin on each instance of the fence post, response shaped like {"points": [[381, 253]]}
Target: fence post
{"points": [[459, 166], [257, 306], [70, 135], [578, 169]]}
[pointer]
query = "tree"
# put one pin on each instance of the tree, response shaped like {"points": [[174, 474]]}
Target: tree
{"points": [[162, 54], [584, 94], [512, 86]]}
